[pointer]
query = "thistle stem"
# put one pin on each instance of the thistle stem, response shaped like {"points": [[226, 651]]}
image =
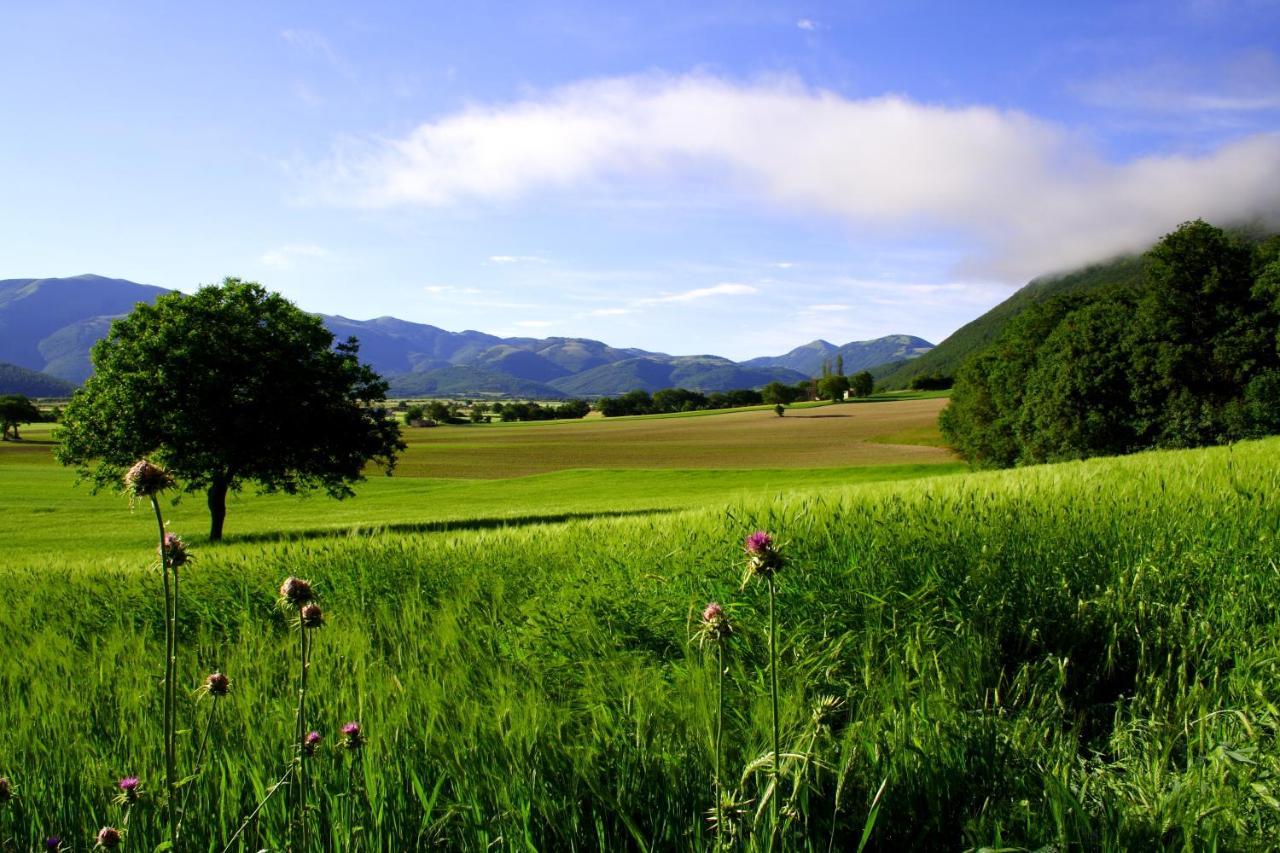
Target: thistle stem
{"points": [[719, 734], [170, 676], [773, 677], [196, 768], [300, 734]]}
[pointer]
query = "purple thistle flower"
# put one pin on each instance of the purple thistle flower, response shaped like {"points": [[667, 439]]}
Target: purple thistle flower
{"points": [[311, 742], [217, 684], [129, 788], [713, 612], [174, 550], [145, 479], [6, 789], [352, 736], [762, 555], [109, 837], [53, 844], [296, 592], [759, 542]]}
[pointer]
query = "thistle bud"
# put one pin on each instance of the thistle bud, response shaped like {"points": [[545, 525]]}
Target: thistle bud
{"points": [[6, 789], [52, 844], [108, 838], [311, 616], [715, 622], [296, 592], [174, 550], [145, 479]]}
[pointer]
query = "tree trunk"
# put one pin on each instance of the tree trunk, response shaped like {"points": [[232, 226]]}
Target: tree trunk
{"points": [[217, 508]]}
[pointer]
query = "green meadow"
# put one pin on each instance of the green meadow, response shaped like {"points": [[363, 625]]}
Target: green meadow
{"points": [[1079, 656]]}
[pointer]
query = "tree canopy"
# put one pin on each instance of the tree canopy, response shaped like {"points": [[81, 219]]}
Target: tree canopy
{"points": [[230, 385], [1188, 357]]}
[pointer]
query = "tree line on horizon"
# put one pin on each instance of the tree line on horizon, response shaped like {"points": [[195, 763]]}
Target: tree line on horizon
{"points": [[1188, 357]]}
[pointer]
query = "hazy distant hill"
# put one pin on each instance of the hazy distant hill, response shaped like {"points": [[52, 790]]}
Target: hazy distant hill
{"points": [[858, 355], [696, 373], [946, 356], [29, 383], [48, 324]]}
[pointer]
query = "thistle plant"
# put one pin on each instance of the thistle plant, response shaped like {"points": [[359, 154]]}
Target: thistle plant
{"points": [[764, 560], [716, 629], [297, 595], [147, 480]]}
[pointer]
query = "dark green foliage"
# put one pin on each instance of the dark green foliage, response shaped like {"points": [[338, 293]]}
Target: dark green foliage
{"points": [[669, 400], [569, 410], [931, 382], [861, 384], [1186, 358], [833, 386], [230, 385], [15, 409], [777, 392]]}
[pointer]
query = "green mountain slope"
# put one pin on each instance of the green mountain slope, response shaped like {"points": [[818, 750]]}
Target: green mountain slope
{"points": [[30, 383], [858, 355], [946, 356]]}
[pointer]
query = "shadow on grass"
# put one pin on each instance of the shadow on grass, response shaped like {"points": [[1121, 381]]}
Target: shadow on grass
{"points": [[439, 526]]}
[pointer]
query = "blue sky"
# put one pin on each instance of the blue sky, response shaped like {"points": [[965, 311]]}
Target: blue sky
{"points": [[735, 178]]}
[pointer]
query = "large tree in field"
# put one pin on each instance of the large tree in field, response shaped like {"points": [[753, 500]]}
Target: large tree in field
{"points": [[227, 386]]}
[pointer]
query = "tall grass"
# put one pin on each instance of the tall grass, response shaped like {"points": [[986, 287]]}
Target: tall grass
{"points": [[1085, 655]]}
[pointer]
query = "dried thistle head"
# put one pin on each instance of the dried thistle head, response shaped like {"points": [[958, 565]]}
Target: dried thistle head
{"points": [[6, 789], [174, 550], [311, 616], [217, 684], [109, 838], [295, 592], [145, 479]]}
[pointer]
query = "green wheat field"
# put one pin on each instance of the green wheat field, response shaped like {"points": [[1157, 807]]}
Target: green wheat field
{"points": [[1083, 656]]}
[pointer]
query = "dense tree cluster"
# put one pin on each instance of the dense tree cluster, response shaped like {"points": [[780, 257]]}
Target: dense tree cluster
{"points": [[1189, 357], [570, 409], [670, 400]]}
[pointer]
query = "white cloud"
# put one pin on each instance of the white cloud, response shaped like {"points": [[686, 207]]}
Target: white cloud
{"points": [[443, 289], [826, 308], [516, 259], [727, 288], [607, 312], [1028, 194], [806, 24], [782, 265], [283, 257]]}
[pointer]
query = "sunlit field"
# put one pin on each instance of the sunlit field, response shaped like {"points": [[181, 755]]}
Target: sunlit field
{"points": [[1081, 654]]}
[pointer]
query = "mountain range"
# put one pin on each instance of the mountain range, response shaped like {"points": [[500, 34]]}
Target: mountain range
{"points": [[49, 325]]}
